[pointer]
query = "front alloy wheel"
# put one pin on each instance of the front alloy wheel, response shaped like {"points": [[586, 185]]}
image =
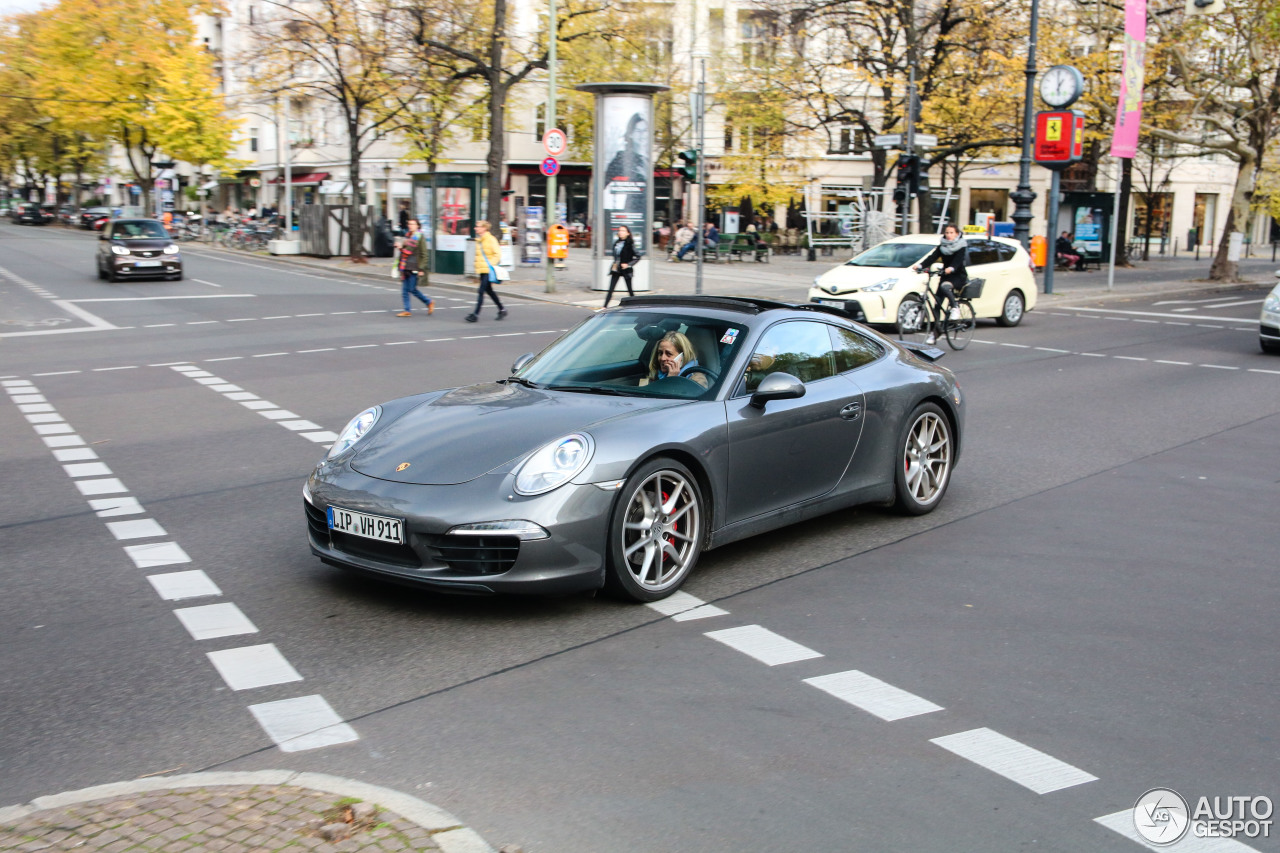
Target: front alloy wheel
{"points": [[924, 467], [656, 534], [913, 319]]}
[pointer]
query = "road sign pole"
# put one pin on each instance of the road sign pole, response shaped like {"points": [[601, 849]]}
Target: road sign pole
{"points": [[552, 189], [702, 179]]}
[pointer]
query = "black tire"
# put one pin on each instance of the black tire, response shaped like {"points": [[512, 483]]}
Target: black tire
{"points": [[639, 531], [102, 276], [919, 488], [176, 277], [1015, 306], [1269, 346], [913, 319]]}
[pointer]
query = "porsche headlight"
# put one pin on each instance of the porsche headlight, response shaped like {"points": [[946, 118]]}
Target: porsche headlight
{"points": [[1272, 303], [171, 249], [355, 430], [120, 250], [554, 464], [886, 284]]}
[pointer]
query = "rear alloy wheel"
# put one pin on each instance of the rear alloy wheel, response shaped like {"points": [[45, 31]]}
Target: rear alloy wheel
{"points": [[1015, 305], [924, 461], [656, 533], [960, 330]]}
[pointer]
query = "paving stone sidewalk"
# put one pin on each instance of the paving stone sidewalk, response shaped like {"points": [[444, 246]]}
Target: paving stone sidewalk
{"points": [[254, 812], [787, 278]]}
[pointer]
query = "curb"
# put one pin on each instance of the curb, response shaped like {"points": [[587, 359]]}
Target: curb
{"points": [[446, 830], [1137, 291]]}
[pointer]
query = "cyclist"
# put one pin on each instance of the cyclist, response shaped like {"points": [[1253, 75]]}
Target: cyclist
{"points": [[952, 252]]}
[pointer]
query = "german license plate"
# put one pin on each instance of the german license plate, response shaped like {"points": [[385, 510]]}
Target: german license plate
{"points": [[368, 526], [147, 264]]}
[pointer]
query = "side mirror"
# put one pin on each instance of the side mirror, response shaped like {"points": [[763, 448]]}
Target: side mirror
{"points": [[777, 386], [521, 362]]}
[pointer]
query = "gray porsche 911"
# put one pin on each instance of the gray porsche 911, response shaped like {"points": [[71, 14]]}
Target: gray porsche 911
{"points": [[646, 435]]}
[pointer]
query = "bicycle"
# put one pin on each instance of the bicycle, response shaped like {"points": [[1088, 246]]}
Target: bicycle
{"points": [[916, 317]]}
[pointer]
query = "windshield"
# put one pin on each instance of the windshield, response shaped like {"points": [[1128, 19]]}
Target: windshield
{"points": [[639, 354], [895, 255], [144, 230]]}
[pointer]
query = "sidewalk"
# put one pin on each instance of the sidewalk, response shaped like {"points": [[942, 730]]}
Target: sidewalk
{"points": [[788, 277], [236, 812]]}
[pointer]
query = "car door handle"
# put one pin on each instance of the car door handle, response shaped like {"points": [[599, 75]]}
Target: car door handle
{"points": [[851, 412]]}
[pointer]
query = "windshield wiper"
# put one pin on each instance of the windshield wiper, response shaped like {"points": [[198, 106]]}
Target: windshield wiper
{"points": [[587, 389], [520, 380]]}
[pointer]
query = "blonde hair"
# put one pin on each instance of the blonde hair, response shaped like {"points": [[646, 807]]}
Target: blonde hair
{"points": [[682, 345], [484, 223]]}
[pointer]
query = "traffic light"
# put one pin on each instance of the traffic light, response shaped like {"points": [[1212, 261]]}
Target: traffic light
{"points": [[904, 174], [689, 169], [920, 177]]}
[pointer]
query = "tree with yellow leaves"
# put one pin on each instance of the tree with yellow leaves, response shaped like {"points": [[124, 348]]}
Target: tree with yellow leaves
{"points": [[133, 73]]}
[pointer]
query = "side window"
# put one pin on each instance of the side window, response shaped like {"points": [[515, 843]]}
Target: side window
{"points": [[982, 252], [852, 349], [801, 348], [1006, 252]]}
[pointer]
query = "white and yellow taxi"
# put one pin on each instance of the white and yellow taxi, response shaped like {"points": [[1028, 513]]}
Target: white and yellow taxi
{"points": [[1269, 322], [874, 285]]}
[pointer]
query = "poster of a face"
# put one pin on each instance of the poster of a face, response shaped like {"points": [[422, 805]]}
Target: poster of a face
{"points": [[625, 147]]}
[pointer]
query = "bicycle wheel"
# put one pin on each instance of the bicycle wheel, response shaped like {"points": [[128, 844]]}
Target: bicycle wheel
{"points": [[914, 320], [960, 332]]}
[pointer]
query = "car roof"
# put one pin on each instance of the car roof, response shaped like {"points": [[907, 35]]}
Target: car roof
{"points": [[743, 304], [136, 219]]}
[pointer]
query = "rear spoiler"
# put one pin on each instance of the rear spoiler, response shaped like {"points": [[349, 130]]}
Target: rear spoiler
{"points": [[925, 351]]}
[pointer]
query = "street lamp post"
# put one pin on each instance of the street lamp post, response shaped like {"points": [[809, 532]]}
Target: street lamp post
{"points": [[1023, 195], [549, 215]]}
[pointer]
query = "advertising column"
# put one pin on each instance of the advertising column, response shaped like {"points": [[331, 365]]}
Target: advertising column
{"points": [[622, 175]]}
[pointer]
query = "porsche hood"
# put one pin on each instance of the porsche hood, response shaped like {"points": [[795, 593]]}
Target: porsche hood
{"points": [[470, 431]]}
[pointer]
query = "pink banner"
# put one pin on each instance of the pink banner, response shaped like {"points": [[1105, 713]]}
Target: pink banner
{"points": [[1124, 141]]}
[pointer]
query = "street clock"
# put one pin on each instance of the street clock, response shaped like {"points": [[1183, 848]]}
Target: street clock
{"points": [[1061, 85]]}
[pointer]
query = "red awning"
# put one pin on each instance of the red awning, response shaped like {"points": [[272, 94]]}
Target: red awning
{"points": [[302, 178]]}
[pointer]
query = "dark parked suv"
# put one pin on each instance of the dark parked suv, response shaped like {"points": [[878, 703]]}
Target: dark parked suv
{"points": [[137, 248]]}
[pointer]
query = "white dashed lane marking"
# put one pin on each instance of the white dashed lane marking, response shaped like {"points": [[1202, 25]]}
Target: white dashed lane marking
{"points": [[873, 695], [306, 722], [762, 644], [287, 419], [1127, 357], [249, 667], [1015, 761], [211, 621], [682, 607], [1122, 822], [179, 586]]}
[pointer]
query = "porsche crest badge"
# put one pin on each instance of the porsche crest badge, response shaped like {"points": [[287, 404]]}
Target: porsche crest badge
{"points": [[402, 466]]}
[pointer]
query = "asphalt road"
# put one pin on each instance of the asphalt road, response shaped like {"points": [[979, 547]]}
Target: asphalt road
{"points": [[1099, 584]]}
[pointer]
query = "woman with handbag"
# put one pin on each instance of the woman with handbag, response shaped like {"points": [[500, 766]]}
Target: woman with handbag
{"points": [[488, 260], [414, 258], [624, 262]]}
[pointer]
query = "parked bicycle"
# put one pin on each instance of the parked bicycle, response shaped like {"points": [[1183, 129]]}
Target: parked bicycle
{"points": [[922, 316]]}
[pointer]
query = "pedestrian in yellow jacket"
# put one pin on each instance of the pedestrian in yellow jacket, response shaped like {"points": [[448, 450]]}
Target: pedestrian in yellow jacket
{"points": [[488, 256]]}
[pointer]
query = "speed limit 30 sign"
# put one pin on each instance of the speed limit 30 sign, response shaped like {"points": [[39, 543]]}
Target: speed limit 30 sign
{"points": [[555, 141]]}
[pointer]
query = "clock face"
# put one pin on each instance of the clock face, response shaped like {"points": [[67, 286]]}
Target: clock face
{"points": [[1060, 85]]}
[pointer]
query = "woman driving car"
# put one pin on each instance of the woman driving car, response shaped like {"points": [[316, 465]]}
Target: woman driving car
{"points": [[674, 356]]}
